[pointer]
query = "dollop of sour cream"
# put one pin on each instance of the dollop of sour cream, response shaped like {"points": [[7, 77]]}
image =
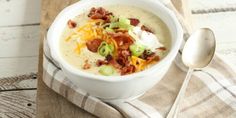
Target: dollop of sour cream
{"points": [[149, 40]]}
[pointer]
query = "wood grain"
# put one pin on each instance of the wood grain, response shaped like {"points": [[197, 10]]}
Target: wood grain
{"points": [[17, 104], [22, 82], [18, 66], [19, 41]]}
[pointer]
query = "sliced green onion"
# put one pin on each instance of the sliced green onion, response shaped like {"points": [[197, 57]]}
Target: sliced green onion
{"points": [[112, 47], [103, 43], [125, 23], [106, 70], [123, 20], [114, 19], [105, 49], [137, 50], [122, 23]]}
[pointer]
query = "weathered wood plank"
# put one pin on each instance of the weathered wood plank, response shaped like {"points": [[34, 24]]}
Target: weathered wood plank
{"points": [[209, 4], [19, 12], [18, 66], [18, 82], [18, 104], [19, 41]]}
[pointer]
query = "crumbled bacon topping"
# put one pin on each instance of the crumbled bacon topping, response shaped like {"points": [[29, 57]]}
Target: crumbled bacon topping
{"points": [[99, 13], [146, 54], [86, 65], [152, 57], [93, 45], [71, 24], [101, 62], [123, 40], [122, 61], [134, 21], [144, 28], [115, 64], [109, 57], [149, 57], [123, 57], [128, 70]]}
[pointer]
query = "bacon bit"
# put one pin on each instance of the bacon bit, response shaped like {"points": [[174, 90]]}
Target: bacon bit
{"points": [[134, 21], [93, 45], [144, 28], [86, 65], [128, 70], [99, 13], [153, 57], [109, 57], [162, 48], [123, 40], [122, 61], [115, 64], [146, 54], [149, 57], [71, 24], [123, 55], [101, 62]]}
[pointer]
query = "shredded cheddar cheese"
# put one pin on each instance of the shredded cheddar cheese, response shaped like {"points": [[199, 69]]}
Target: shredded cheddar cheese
{"points": [[138, 63], [90, 31]]}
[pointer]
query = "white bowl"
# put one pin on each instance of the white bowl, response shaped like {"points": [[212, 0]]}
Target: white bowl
{"points": [[115, 88]]}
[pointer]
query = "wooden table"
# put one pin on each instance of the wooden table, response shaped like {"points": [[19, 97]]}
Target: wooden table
{"points": [[49, 103]]}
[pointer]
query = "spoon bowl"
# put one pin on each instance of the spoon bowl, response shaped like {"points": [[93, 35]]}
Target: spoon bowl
{"points": [[199, 49]]}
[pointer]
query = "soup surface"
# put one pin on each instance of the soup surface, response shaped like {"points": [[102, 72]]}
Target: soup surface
{"points": [[115, 40]]}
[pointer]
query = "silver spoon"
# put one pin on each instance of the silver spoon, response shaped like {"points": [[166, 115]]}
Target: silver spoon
{"points": [[197, 53]]}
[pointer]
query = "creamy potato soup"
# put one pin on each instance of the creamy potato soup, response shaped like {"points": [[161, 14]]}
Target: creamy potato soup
{"points": [[115, 40]]}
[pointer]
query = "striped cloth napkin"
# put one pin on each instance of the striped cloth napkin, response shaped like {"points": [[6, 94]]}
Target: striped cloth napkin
{"points": [[210, 93]]}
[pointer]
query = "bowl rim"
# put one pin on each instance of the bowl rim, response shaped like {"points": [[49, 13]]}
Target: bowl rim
{"points": [[73, 70]]}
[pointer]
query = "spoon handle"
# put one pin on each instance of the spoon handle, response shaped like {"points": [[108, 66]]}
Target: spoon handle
{"points": [[175, 107]]}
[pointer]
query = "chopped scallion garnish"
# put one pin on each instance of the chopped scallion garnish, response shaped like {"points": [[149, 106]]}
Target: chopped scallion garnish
{"points": [[106, 70], [136, 49], [105, 49]]}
